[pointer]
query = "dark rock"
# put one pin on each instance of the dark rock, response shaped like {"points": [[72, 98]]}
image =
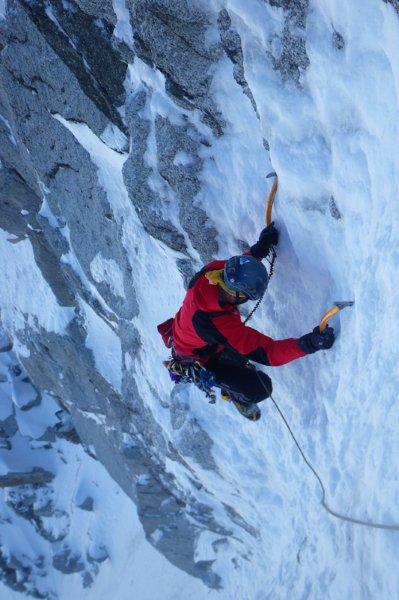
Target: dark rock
{"points": [[65, 428], [334, 210], [8, 427], [292, 58], [36, 477], [171, 36], [87, 579], [84, 46], [67, 562], [338, 41], [87, 504]]}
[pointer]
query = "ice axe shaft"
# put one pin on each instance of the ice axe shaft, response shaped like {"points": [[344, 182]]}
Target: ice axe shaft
{"points": [[270, 198], [338, 306]]}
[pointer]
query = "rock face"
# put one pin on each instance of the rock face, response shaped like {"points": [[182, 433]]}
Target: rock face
{"points": [[65, 71]]}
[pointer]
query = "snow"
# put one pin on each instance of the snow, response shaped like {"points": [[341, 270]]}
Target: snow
{"points": [[333, 141], [35, 299], [107, 270], [35, 422], [182, 158], [110, 533], [333, 137], [123, 28], [105, 345]]}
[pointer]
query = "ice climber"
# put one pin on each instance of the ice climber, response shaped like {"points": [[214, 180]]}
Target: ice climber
{"points": [[208, 328]]}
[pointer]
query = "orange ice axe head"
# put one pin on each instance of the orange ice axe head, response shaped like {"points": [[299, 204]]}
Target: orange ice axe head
{"points": [[338, 306]]}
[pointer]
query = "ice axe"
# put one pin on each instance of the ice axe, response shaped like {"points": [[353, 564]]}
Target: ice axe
{"points": [[338, 306], [271, 196]]}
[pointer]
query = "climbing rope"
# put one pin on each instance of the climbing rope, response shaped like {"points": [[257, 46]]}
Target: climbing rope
{"points": [[271, 263], [323, 501]]}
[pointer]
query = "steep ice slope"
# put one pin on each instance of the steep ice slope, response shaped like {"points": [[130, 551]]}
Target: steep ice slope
{"points": [[332, 140], [316, 83]]}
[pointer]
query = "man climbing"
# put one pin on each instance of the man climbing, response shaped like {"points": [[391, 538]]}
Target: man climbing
{"points": [[208, 327]]}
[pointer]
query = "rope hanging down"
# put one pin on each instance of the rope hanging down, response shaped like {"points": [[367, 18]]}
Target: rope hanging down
{"points": [[323, 501]]}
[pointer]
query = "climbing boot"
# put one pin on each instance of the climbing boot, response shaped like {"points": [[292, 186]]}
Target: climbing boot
{"points": [[250, 411]]}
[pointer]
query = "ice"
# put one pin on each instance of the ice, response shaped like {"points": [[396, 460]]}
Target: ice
{"points": [[333, 142], [35, 298], [106, 270], [105, 345], [123, 28]]}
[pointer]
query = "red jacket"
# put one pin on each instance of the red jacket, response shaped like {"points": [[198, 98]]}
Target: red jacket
{"points": [[203, 327]]}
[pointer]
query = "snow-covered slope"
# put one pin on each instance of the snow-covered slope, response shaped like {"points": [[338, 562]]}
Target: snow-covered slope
{"points": [[125, 166]]}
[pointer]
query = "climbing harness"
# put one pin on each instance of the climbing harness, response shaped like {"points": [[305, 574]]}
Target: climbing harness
{"points": [[187, 370]]}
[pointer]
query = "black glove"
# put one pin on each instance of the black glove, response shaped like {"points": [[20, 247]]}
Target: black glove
{"points": [[317, 340], [267, 239]]}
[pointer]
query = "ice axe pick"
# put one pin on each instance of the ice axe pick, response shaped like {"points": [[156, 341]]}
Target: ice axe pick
{"points": [[338, 306]]}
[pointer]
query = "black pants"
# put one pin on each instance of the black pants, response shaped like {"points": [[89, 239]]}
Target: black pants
{"points": [[235, 377]]}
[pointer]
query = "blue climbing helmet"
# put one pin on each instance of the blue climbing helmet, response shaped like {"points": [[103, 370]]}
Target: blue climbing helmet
{"points": [[246, 275]]}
